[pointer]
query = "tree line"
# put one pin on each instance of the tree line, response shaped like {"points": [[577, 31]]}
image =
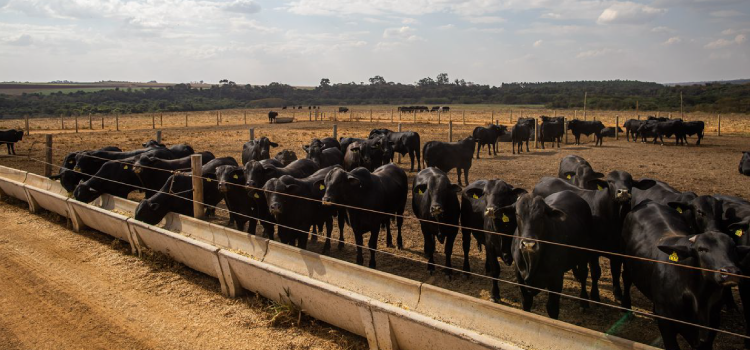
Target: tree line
{"points": [[602, 95]]}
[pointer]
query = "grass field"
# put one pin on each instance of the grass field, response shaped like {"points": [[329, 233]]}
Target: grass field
{"points": [[15, 89]]}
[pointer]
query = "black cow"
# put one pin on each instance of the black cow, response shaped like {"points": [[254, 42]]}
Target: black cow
{"points": [[383, 190], [480, 203], [115, 177], [579, 172], [446, 108], [434, 199], [404, 142], [231, 180], [295, 214], [661, 193], [744, 166], [346, 141], [562, 218], [9, 138], [376, 151], [285, 157], [608, 209], [272, 117], [324, 157], [353, 156], [667, 128], [631, 128], [658, 119], [89, 162], [343, 109], [324, 143], [551, 130], [657, 232], [178, 151], [610, 131], [70, 179], [578, 127], [694, 128], [177, 194], [256, 176], [154, 172], [488, 136], [520, 133], [257, 149], [448, 155]]}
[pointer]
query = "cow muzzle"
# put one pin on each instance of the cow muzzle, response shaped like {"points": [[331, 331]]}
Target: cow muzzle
{"points": [[729, 276], [137, 169], [436, 211], [223, 187], [622, 195], [327, 201], [490, 212], [274, 209], [529, 246]]}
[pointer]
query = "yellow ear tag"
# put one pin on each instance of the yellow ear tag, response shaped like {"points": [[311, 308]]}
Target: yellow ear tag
{"points": [[738, 233], [256, 196], [475, 196], [208, 180], [673, 257], [235, 176], [599, 187], [506, 218], [420, 192], [679, 210], [568, 177], [71, 162], [322, 187], [125, 167]]}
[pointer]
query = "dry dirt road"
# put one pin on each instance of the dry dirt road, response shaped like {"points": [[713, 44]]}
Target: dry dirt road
{"points": [[63, 290]]}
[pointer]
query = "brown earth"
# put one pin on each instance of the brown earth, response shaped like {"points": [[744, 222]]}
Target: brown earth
{"points": [[710, 168]]}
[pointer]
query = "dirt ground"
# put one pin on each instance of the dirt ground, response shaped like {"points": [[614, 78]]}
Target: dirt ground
{"points": [[708, 169]]}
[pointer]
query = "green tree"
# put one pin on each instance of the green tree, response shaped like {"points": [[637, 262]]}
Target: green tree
{"points": [[325, 82], [442, 79], [377, 80]]}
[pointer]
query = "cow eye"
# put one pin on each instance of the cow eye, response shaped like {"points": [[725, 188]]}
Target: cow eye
{"points": [[702, 250], [700, 213]]}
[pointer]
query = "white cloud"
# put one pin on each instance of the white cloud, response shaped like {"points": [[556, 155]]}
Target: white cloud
{"points": [[447, 26], [21, 40], [485, 19], [486, 30], [538, 43], [662, 29], [720, 43], [401, 33], [672, 40], [554, 30], [726, 13], [597, 53], [551, 15], [629, 13]]}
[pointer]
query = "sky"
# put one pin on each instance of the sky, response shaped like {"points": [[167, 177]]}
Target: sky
{"points": [[298, 42]]}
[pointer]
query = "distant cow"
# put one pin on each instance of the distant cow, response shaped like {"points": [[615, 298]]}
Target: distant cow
{"points": [[346, 141], [435, 109], [744, 167], [434, 199], [551, 130], [578, 127], [177, 196], [480, 204], [272, 116], [656, 232], [383, 190], [658, 119], [520, 133], [488, 136], [579, 172], [610, 131], [326, 142], [10, 137], [286, 156], [694, 128], [562, 218], [343, 109], [446, 108], [257, 149], [449, 155], [667, 128], [631, 128], [404, 142]]}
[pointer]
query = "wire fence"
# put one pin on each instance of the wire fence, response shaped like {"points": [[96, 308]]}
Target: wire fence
{"points": [[400, 256]]}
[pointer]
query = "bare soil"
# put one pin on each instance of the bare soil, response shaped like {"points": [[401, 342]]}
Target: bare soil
{"points": [[707, 169]]}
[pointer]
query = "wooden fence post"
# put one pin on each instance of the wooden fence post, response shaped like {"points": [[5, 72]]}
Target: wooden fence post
{"points": [[335, 132], [161, 119], [252, 134], [492, 118], [391, 115], [438, 117], [48, 155], [76, 121], [718, 126], [186, 120], [370, 115], [399, 130], [62, 122], [565, 129], [91, 126], [617, 127], [153, 121], [196, 163], [415, 116], [245, 114], [102, 122], [158, 136], [117, 121], [463, 116], [510, 119], [28, 130], [536, 133], [450, 131], [217, 118]]}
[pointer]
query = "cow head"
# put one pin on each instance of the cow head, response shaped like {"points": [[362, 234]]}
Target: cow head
{"points": [[153, 144], [340, 185], [150, 211], [230, 176], [621, 185], [275, 190], [85, 193], [147, 161], [286, 156], [255, 177], [432, 190], [533, 215], [702, 213], [585, 177], [710, 250]]}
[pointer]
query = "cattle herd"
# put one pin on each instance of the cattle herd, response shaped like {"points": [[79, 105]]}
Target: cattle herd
{"points": [[651, 233]]}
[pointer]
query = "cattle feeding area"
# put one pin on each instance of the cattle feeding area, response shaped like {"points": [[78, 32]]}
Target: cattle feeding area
{"points": [[705, 169]]}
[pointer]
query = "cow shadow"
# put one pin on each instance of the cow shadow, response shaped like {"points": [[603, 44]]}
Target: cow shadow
{"points": [[541, 153]]}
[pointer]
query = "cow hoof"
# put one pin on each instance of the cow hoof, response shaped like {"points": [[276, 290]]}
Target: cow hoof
{"points": [[389, 244], [400, 246], [495, 300]]}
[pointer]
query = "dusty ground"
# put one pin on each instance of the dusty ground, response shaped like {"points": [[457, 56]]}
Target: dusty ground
{"points": [[710, 168]]}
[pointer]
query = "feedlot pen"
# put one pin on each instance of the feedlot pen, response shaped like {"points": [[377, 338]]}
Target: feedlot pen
{"points": [[708, 169]]}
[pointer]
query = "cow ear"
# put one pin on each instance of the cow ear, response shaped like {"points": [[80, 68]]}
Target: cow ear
{"points": [[738, 229], [456, 188], [644, 184], [597, 175], [518, 191], [354, 181], [274, 144], [678, 248], [569, 175], [306, 148], [679, 206], [474, 193], [555, 214], [599, 184]]}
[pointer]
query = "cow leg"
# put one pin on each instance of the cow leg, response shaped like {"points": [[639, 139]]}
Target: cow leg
{"points": [[668, 334], [527, 299], [492, 267], [429, 248], [466, 235], [626, 283], [359, 241], [580, 272], [373, 245], [267, 230], [448, 251], [399, 224], [388, 238], [341, 222], [466, 177], [302, 239], [744, 289], [527, 147], [329, 229], [9, 150], [596, 273], [553, 299], [489, 149], [314, 234], [419, 159], [615, 266], [479, 148], [494, 147], [700, 137], [514, 148], [458, 172], [542, 142]]}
